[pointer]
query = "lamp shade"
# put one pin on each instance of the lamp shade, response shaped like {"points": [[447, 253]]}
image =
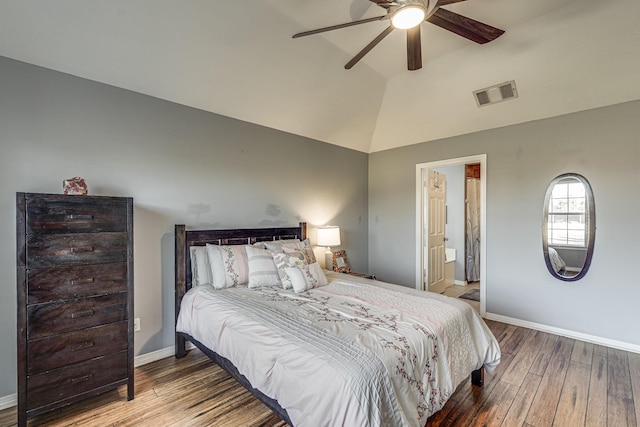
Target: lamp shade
{"points": [[329, 235]]}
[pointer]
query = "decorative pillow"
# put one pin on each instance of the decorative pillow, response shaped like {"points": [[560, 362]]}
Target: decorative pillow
{"points": [[262, 268], [304, 247], [285, 260], [308, 251], [200, 268], [279, 244], [229, 265], [306, 277]]}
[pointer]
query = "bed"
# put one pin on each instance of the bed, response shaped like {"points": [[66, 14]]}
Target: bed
{"points": [[344, 350]]}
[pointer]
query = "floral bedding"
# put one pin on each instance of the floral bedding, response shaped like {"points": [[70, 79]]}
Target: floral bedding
{"points": [[354, 352]]}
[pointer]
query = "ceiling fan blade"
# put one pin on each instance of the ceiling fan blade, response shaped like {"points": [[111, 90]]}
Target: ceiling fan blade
{"points": [[446, 2], [414, 49], [368, 47], [465, 27], [388, 3], [383, 3], [337, 27]]}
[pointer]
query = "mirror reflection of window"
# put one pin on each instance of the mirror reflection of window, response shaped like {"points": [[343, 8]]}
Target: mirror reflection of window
{"points": [[567, 214], [568, 227]]}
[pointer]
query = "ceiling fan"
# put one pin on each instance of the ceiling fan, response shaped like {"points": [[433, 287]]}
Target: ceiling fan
{"points": [[408, 15]]}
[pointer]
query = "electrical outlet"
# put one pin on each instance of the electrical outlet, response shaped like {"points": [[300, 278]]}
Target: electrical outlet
{"points": [[136, 324]]}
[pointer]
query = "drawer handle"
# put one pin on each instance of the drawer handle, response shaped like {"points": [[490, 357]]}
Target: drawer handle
{"points": [[84, 281], [82, 345], [75, 217], [81, 249], [84, 313], [113, 308], [81, 378]]}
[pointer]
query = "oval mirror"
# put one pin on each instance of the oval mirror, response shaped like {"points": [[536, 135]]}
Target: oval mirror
{"points": [[568, 227]]}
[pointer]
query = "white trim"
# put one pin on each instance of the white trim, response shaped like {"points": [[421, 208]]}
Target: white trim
{"points": [[482, 159], [8, 401], [146, 358], [143, 359], [620, 345]]}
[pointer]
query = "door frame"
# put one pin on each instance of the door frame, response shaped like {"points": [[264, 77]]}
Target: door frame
{"points": [[482, 159]]}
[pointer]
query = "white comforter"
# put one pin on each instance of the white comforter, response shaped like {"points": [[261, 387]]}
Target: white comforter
{"points": [[355, 352]]}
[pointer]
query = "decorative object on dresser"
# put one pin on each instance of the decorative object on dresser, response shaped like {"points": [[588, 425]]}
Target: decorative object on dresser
{"points": [[75, 186], [340, 262], [341, 265], [75, 299]]}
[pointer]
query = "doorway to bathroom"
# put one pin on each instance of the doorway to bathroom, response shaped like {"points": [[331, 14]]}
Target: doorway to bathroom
{"points": [[451, 222]]}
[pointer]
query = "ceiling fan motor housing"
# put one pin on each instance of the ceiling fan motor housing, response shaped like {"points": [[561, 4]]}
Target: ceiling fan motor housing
{"points": [[429, 6]]}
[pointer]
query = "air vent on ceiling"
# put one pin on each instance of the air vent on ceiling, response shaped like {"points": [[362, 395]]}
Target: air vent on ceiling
{"points": [[497, 93]]}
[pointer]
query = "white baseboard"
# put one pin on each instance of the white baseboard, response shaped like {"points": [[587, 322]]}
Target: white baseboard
{"points": [[12, 399], [8, 401], [143, 359], [593, 339]]}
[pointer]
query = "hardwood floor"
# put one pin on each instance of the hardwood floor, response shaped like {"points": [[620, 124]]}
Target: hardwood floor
{"points": [[192, 391], [543, 380], [548, 380], [456, 290]]}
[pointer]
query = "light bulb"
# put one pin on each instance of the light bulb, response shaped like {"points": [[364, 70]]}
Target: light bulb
{"points": [[408, 17]]}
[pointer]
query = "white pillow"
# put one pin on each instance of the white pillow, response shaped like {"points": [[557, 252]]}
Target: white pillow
{"points": [[274, 245], [306, 277], [229, 265], [262, 268], [200, 268], [286, 260]]}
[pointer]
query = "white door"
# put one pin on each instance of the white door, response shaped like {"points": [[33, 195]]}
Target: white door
{"points": [[435, 227]]}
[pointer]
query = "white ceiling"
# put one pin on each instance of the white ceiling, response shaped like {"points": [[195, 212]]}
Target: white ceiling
{"points": [[237, 58]]}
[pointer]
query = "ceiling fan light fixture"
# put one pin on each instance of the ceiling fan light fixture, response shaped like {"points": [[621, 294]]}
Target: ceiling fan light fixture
{"points": [[408, 16]]}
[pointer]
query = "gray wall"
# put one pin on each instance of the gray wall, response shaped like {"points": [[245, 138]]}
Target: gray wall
{"points": [[603, 145], [180, 165]]}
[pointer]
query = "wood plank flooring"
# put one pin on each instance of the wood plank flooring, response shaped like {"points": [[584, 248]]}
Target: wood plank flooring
{"points": [[548, 380], [543, 380]]}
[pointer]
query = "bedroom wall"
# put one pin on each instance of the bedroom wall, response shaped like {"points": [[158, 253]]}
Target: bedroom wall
{"points": [[602, 145], [180, 165]]}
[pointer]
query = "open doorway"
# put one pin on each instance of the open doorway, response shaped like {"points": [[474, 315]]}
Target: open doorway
{"points": [[435, 245]]}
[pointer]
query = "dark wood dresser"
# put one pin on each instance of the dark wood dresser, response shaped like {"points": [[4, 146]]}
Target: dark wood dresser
{"points": [[75, 299]]}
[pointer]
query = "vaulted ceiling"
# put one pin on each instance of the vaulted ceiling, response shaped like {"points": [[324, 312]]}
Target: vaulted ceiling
{"points": [[237, 58]]}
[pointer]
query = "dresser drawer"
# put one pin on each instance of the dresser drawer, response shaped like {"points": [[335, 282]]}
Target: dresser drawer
{"points": [[54, 352], [55, 318], [52, 386], [52, 250], [78, 214], [70, 282]]}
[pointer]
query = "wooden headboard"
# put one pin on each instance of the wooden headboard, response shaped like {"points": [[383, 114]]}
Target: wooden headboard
{"points": [[184, 239]]}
